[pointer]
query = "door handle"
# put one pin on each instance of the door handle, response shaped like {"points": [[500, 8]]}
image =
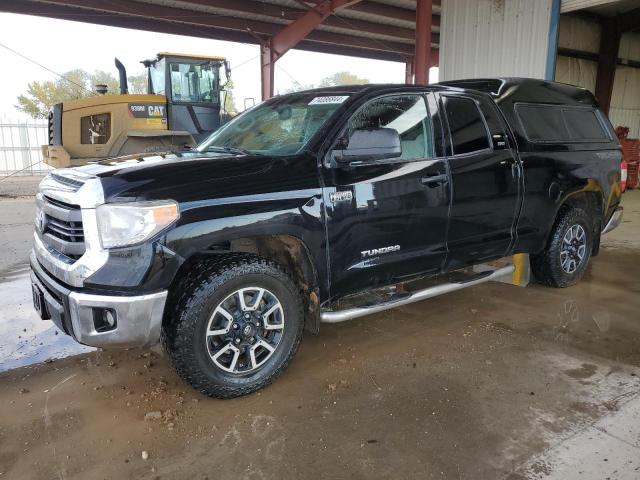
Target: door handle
{"points": [[433, 180]]}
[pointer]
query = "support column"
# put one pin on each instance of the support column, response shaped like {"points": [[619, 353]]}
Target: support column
{"points": [[607, 60], [287, 38], [408, 71], [267, 67], [422, 58]]}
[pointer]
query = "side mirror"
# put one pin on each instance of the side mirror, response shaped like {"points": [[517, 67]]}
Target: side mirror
{"points": [[370, 144]]}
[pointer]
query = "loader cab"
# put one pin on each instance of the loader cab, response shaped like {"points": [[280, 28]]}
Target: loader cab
{"points": [[193, 87]]}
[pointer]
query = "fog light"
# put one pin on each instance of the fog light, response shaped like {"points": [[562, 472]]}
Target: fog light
{"points": [[104, 319]]}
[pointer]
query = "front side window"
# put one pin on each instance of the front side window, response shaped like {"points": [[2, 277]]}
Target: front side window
{"points": [[194, 83], [281, 126], [407, 114], [466, 126]]}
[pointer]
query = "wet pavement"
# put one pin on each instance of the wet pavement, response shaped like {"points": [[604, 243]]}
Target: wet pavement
{"points": [[492, 382], [24, 338]]}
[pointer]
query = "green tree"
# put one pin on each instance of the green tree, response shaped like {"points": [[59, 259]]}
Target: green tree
{"points": [[229, 99], [40, 97], [342, 78], [338, 78]]}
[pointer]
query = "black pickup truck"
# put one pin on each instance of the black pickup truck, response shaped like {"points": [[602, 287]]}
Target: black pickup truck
{"points": [[322, 206]]}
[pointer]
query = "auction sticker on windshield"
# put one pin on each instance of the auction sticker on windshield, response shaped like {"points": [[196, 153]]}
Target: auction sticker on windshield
{"points": [[328, 100]]}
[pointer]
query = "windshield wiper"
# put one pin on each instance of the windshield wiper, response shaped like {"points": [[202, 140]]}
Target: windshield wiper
{"points": [[228, 149]]}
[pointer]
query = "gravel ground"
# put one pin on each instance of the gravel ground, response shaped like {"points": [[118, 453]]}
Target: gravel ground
{"points": [[19, 186]]}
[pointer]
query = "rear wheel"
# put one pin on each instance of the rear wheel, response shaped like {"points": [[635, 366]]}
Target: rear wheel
{"points": [[565, 259], [235, 328]]}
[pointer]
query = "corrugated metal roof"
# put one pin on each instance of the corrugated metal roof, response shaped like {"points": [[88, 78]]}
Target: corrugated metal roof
{"points": [[382, 29]]}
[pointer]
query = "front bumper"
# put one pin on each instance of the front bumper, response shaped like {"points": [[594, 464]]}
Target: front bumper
{"points": [[614, 221], [138, 319]]}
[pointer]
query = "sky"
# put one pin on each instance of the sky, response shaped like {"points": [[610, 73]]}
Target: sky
{"points": [[63, 45]]}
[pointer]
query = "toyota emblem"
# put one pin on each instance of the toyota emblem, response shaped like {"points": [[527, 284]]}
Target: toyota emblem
{"points": [[41, 220]]}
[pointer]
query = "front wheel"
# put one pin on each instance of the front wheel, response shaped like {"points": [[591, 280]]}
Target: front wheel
{"points": [[565, 259], [236, 329]]}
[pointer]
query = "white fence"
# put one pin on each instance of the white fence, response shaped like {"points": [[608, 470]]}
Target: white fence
{"points": [[20, 147]]}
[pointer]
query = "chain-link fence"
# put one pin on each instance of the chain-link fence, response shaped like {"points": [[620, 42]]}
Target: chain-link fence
{"points": [[20, 147]]}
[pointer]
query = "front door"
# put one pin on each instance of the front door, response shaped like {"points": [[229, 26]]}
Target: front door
{"points": [[486, 178], [387, 219]]}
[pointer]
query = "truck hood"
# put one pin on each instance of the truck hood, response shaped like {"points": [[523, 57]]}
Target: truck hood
{"points": [[189, 176]]}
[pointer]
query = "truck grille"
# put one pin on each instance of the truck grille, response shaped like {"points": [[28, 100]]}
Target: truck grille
{"points": [[62, 228]]}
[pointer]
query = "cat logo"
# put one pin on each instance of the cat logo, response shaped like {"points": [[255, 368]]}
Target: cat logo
{"points": [[374, 252], [156, 110], [147, 110]]}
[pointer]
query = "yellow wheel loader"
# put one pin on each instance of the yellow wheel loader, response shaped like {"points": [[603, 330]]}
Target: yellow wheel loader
{"points": [[183, 105]]}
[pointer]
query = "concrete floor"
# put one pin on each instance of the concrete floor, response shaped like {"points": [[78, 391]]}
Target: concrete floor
{"points": [[492, 382]]}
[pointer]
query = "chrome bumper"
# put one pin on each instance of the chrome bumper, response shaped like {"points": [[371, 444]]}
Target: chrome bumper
{"points": [[614, 221], [139, 319]]}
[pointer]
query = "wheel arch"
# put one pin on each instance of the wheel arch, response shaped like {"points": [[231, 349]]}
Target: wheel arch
{"points": [[288, 251], [589, 198]]}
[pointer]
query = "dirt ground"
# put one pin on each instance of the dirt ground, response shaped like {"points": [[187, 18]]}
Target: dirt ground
{"points": [[492, 382]]}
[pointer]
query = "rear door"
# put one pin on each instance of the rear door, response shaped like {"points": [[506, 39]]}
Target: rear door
{"points": [[387, 219], [486, 180]]}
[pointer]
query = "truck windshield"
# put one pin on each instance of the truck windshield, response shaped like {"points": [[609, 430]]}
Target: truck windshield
{"points": [[281, 126]]}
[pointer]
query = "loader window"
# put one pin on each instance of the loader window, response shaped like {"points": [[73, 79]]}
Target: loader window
{"points": [[157, 76], [194, 83]]}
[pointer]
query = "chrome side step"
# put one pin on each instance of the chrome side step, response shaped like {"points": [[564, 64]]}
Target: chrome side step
{"points": [[351, 313]]}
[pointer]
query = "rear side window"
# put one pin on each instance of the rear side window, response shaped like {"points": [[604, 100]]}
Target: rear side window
{"points": [[467, 128], [553, 124], [584, 125], [542, 124]]}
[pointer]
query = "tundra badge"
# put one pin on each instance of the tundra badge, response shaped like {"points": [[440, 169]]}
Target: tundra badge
{"points": [[374, 252]]}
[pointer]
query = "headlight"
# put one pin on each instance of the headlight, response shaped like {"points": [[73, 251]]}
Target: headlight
{"points": [[123, 224]]}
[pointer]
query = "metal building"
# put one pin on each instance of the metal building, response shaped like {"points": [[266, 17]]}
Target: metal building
{"points": [[591, 43]]}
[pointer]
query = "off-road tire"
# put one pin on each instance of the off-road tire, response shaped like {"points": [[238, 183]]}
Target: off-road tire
{"points": [[184, 329], [546, 266]]}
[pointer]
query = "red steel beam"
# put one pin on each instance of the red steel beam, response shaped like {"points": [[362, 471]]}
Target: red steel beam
{"points": [[290, 36], [408, 71], [209, 26], [629, 21], [608, 58], [422, 57]]}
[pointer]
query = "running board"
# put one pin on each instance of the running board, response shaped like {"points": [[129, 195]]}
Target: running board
{"points": [[351, 313]]}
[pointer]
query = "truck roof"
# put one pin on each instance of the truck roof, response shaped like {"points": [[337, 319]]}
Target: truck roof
{"points": [[514, 89], [529, 90]]}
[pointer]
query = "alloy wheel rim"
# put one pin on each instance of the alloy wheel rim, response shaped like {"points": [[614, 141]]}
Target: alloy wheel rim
{"points": [[245, 330], [574, 248]]}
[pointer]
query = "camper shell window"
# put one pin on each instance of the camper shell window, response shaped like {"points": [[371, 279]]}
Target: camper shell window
{"points": [[561, 124]]}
